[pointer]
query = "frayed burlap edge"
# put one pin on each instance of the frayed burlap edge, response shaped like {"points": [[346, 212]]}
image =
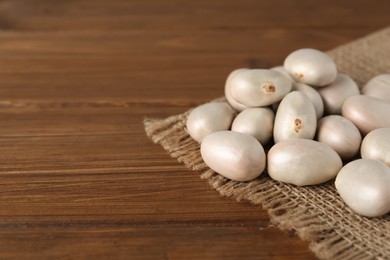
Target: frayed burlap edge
{"points": [[317, 214]]}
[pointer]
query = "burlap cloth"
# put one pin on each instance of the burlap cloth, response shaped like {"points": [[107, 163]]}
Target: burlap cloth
{"points": [[317, 214]]}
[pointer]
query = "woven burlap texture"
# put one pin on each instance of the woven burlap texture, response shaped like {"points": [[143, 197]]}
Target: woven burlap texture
{"points": [[316, 213]]}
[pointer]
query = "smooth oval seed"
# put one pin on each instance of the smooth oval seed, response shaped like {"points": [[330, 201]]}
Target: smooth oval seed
{"points": [[340, 134], [302, 162], [313, 95], [236, 156], [335, 94], [259, 87], [257, 122], [376, 145], [367, 113], [364, 186], [235, 105], [295, 118], [378, 87], [209, 118], [311, 66]]}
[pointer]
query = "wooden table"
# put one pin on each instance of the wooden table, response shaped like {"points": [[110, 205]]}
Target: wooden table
{"points": [[79, 178]]}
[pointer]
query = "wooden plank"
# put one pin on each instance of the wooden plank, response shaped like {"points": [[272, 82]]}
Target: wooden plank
{"points": [[34, 118], [151, 242], [160, 45], [156, 195], [174, 15], [77, 152]]}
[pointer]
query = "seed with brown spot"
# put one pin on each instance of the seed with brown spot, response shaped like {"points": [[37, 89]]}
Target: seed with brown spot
{"points": [[259, 87], [268, 88], [312, 67], [298, 75], [295, 118], [297, 125]]}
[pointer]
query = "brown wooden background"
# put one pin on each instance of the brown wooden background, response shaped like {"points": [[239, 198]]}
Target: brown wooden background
{"points": [[79, 178]]}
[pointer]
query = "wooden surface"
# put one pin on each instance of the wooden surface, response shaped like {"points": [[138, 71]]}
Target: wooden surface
{"points": [[79, 178]]}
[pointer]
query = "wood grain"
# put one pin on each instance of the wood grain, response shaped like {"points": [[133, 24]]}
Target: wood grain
{"points": [[78, 177]]}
